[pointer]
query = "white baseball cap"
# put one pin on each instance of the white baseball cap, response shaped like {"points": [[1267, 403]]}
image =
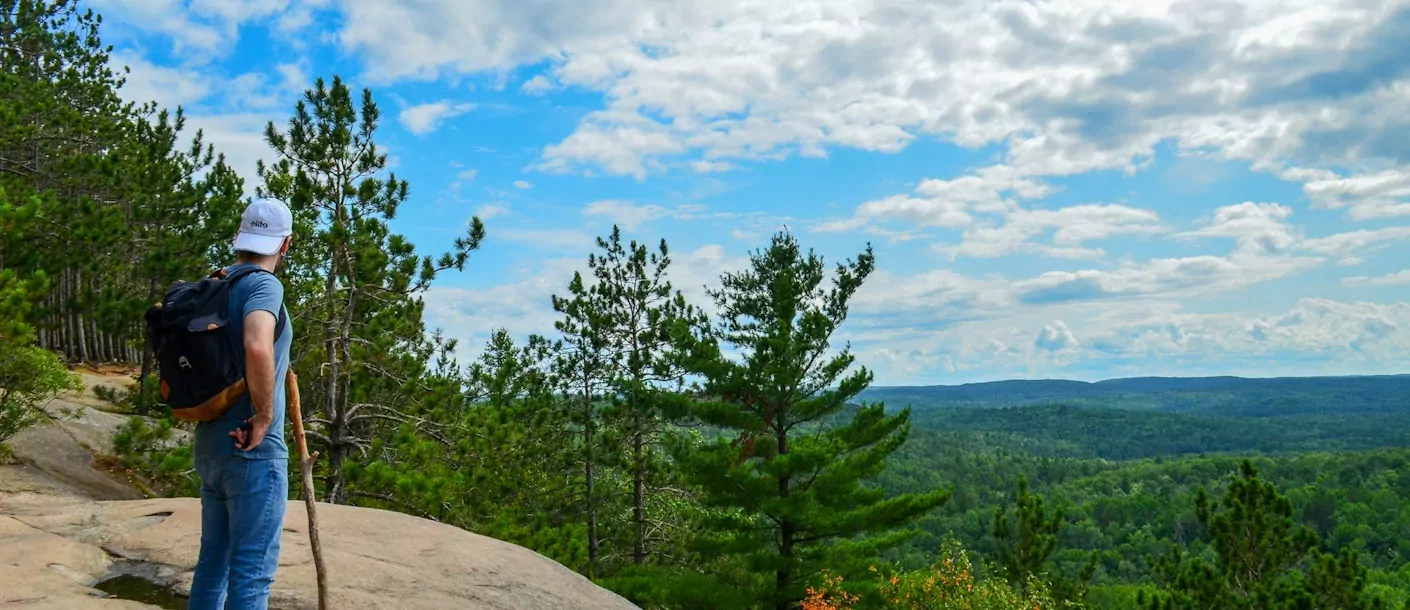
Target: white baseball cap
{"points": [[264, 226]]}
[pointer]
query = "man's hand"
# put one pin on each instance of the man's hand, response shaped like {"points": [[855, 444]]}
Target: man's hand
{"points": [[251, 433]]}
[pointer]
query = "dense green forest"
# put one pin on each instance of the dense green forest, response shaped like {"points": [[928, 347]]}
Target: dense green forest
{"points": [[730, 457]]}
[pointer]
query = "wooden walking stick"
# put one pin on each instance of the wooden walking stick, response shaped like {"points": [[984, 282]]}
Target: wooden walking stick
{"points": [[306, 469]]}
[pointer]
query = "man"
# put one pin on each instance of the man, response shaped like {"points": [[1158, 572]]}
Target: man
{"points": [[241, 457]]}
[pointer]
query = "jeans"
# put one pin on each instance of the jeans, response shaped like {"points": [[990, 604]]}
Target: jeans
{"points": [[242, 517]]}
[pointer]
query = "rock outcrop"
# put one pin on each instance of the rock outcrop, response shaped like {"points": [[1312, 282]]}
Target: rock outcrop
{"points": [[54, 549], [57, 541]]}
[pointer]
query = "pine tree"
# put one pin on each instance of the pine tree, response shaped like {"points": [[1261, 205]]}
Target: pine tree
{"points": [[121, 206], [183, 203], [581, 367], [354, 284], [1259, 551], [636, 308], [1027, 540], [791, 489], [61, 123], [488, 449]]}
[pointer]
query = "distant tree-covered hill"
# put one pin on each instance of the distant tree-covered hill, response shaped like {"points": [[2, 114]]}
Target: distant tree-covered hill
{"points": [[1061, 430], [1218, 396]]}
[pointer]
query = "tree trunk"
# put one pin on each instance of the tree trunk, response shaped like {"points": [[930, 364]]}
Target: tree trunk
{"points": [[69, 351], [639, 496], [147, 350], [786, 533], [337, 456], [81, 338], [588, 476]]}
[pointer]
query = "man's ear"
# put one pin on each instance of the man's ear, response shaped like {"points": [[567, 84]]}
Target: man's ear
{"points": [[284, 249]]}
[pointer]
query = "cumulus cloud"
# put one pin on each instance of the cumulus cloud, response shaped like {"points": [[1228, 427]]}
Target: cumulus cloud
{"points": [[1389, 279], [1364, 196], [423, 119], [523, 305], [491, 210], [1354, 241], [1254, 227], [1071, 227], [522, 185], [1266, 81], [538, 85], [168, 86], [631, 216], [202, 30], [702, 166], [1324, 336], [1055, 337], [1182, 276]]}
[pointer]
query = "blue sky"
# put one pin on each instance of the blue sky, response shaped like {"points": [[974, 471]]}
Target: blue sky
{"points": [[1069, 189]]}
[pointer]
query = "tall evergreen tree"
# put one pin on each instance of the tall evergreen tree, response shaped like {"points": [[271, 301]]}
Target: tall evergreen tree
{"points": [[487, 449], [581, 370], [1259, 554], [185, 206], [61, 124], [354, 284], [1027, 540], [790, 487], [124, 209], [637, 308]]}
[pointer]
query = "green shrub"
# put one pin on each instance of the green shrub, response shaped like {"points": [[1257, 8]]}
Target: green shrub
{"points": [[145, 400], [30, 377], [150, 451]]}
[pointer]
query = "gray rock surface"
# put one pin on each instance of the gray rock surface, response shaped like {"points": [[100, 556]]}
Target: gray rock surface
{"points": [[53, 548], [60, 534]]}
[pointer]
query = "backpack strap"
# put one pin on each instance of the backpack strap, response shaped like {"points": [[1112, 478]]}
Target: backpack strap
{"points": [[282, 322], [283, 317]]}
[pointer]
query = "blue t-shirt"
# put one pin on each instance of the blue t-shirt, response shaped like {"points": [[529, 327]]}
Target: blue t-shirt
{"points": [[257, 291]]}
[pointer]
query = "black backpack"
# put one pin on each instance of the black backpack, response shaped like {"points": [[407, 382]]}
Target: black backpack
{"points": [[201, 373]]}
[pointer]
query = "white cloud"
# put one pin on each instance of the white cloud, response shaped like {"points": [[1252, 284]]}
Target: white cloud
{"points": [[949, 203], [987, 204], [468, 174], [1354, 241], [203, 30], [1254, 227], [1064, 87], [1184, 276], [167, 86], [524, 305], [1071, 227], [631, 216], [491, 210], [538, 85], [1390, 279], [426, 118], [702, 166], [1315, 336], [190, 37], [522, 185], [1056, 337], [1364, 196], [240, 137]]}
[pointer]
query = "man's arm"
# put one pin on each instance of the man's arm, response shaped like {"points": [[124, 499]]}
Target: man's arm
{"points": [[265, 299], [259, 362]]}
